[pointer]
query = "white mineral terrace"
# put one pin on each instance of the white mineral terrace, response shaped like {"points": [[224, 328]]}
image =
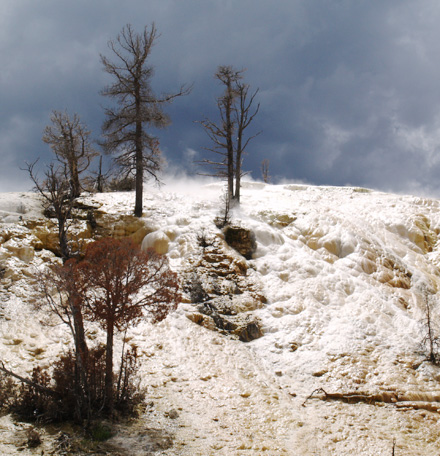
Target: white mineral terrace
{"points": [[345, 272]]}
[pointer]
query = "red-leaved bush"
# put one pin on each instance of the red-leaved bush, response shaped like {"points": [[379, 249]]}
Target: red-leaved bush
{"points": [[115, 285]]}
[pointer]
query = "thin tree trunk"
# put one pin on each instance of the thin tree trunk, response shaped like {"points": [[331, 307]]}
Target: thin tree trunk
{"points": [[121, 368], [109, 368], [238, 169], [138, 207], [430, 334], [99, 183], [81, 358], [62, 236], [74, 182], [230, 144], [237, 188], [139, 159]]}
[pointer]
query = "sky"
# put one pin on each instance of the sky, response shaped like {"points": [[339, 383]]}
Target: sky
{"points": [[349, 91]]}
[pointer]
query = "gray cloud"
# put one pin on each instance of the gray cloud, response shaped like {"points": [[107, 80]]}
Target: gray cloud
{"points": [[349, 91]]}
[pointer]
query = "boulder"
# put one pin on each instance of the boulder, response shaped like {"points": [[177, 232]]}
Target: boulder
{"points": [[203, 320], [158, 241], [48, 237], [242, 240], [23, 252], [220, 314], [250, 330], [138, 236]]}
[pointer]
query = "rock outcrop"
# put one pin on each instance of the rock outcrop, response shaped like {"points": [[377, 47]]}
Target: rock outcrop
{"points": [[158, 241], [241, 239], [224, 293]]}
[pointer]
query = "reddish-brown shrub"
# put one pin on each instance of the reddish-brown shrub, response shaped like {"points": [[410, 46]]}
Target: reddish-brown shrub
{"points": [[122, 283], [115, 285]]}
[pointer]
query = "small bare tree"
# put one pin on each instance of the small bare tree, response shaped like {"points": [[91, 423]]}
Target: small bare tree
{"points": [[70, 141], [224, 218], [100, 177], [98, 180], [56, 195], [228, 136], [265, 171], [431, 339], [138, 108]]}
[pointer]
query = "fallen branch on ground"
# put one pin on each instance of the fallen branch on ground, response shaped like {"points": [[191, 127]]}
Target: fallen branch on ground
{"points": [[352, 398], [43, 389], [416, 401]]}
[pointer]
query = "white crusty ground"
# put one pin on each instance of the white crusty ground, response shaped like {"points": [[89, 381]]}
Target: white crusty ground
{"points": [[350, 331]]}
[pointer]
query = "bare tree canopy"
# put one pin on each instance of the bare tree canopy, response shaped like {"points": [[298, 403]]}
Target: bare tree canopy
{"points": [[228, 139], [127, 125], [69, 140]]}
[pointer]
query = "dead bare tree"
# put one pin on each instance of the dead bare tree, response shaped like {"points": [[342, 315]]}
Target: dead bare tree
{"points": [[244, 115], [100, 177], [138, 108], [221, 135], [98, 180], [431, 339], [70, 141], [228, 136], [265, 171], [56, 195]]}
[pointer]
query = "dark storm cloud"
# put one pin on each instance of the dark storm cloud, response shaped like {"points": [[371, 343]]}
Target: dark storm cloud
{"points": [[349, 91]]}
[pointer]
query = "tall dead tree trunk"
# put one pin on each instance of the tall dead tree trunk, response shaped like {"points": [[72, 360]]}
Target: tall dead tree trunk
{"points": [[138, 108], [228, 100], [139, 156], [243, 118], [100, 177], [228, 136]]}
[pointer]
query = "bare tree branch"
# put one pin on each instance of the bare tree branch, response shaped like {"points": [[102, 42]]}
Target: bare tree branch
{"points": [[29, 382]]}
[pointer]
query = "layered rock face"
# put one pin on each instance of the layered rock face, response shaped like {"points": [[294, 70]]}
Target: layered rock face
{"points": [[224, 290], [241, 239]]}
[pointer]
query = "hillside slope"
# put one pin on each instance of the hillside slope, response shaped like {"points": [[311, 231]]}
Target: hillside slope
{"points": [[345, 273]]}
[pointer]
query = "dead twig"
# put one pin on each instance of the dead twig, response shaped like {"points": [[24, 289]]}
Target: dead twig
{"points": [[319, 390]]}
